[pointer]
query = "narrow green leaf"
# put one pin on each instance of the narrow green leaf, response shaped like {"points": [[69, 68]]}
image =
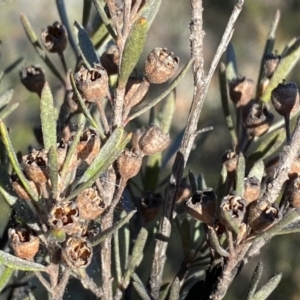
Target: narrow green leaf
{"points": [[201, 182], [136, 256], [231, 222], [117, 256], [222, 184], [14, 161], [85, 46], [108, 232], [193, 182], [152, 171], [47, 118], [53, 171], [265, 291], [38, 47], [175, 289], [5, 187], [99, 36], [87, 5], [5, 277], [240, 174], [269, 45], [133, 48], [139, 287], [6, 97], [286, 64], [257, 170], [255, 280], [8, 110], [214, 242], [225, 103], [186, 241], [13, 66], [231, 65], [163, 94], [269, 146], [16, 263], [149, 10], [84, 108]]}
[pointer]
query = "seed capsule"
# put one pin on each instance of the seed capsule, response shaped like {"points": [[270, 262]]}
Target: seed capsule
{"points": [[270, 63], [241, 91], [19, 189], [150, 206], [129, 164], [251, 189], [33, 78], [110, 60]]}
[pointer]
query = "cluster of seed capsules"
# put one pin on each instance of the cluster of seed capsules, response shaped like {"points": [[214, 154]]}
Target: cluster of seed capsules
{"points": [[68, 224]]}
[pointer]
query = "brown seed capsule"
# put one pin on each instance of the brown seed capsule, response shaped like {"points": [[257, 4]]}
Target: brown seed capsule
{"points": [[153, 140], [110, 60], [35, 166], [232, 211], [230, 159], [241, 91], [77, 252], [93, 83], [251, 189], [160, 65], [19, 189], [292, 192], [258, 120], [65, 216], [129, 164], [89, 146], [90, 204], [55, 38], [24, 243], [203, 206], [150, 206], [270, 63], [262, 215], [285, 98], [33, 78]]}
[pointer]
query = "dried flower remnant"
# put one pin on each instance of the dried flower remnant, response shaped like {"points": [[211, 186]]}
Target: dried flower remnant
{"points": [[270, 63], [129, 164], [77, 252], [251, 189], [160, 65], [203, 206], [150, 206], [93, 83], [19, 189], [153, 140], [230, 159], [241, 91], [33, 78], [110, 60], [23, 242], [55, 38]]}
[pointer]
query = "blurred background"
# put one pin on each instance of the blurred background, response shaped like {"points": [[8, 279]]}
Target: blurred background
{"points": [[171, 30]]}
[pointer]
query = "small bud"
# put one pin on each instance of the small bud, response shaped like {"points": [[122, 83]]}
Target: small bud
{"points": [[232, 211], [160, 65], [35, 166], [93, 83], [203, 206], [129, 164], [285, 98], [150, 206], [24, 243], [65, 216], [55, 38], [292, 192], [258, 121], [90, 204], [33, 78], [19, 189], [153, 140], [241, 91], [251, 189], [270, 63], [77, 252], [262, 215], [110, 60], [89, 146]]}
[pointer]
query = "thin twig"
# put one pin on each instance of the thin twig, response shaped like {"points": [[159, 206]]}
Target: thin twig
{"points": [[103, 117], [126, 18]]}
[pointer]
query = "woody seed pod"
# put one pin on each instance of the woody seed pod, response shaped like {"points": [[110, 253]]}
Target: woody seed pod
{"points": [[93, 83], [258, 121], [251, 189], [241, 91], [160, 65], [77, 252], [65, 216], [24, 243], [285, 98], [153, 140], [90, 204], [232, 211], [150, 206], [292, 192], [55, 38], [262, 215], [129, 164], [110, 60], [270, 63], [19, 189], [203, 206], [35, 166], [33, 78]]}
